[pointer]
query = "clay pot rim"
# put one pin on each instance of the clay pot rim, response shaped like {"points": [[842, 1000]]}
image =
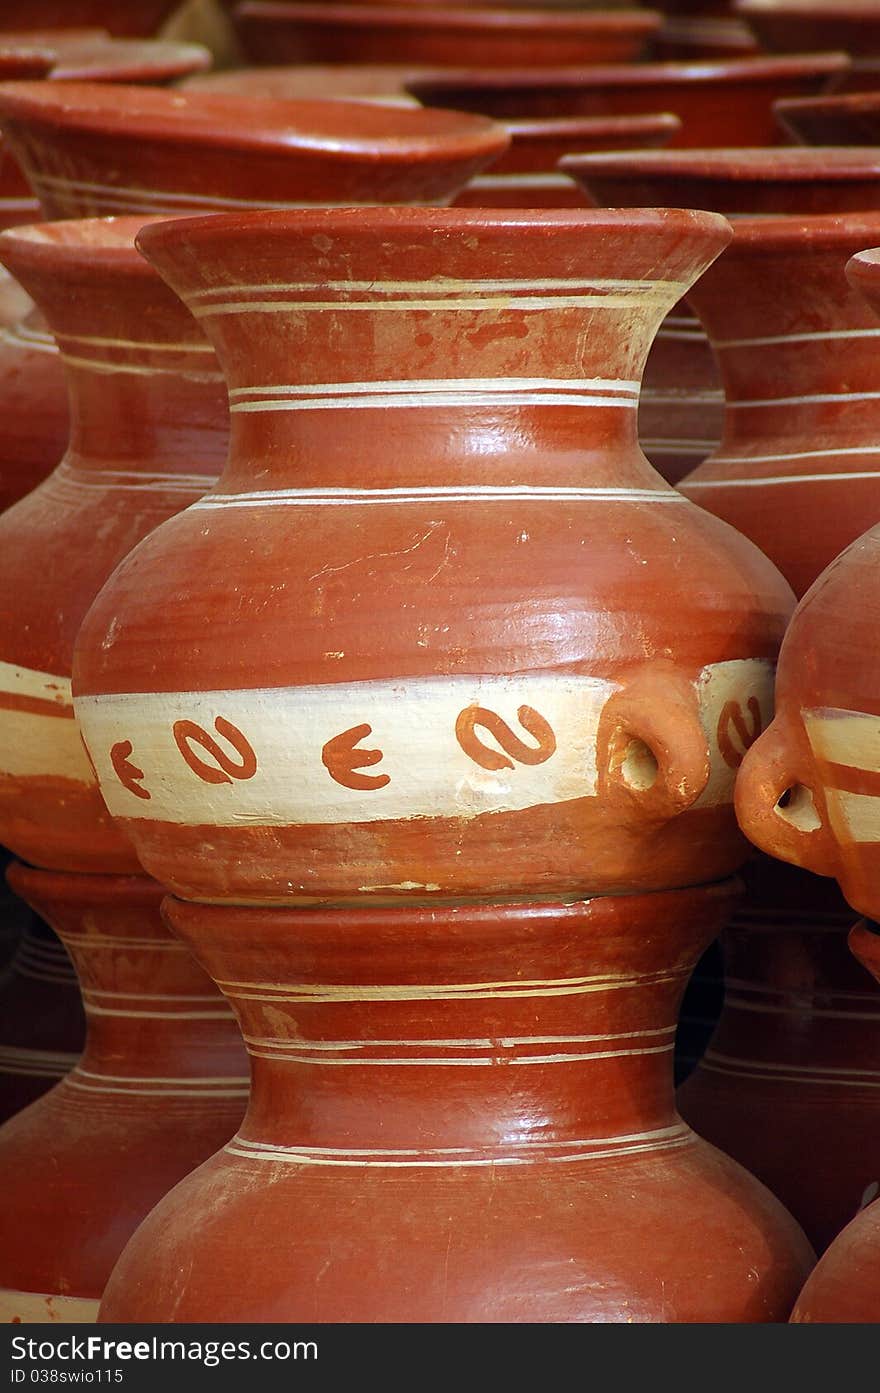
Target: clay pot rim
{"points": [[787, 232], [210, 118], [94, 247], [83, 887], [810, 9], [100, 57], [590, 126], [758, 69], [831, 103], [22, 63], [776, 164], [387, 221], [863, 271], [435, 16]]}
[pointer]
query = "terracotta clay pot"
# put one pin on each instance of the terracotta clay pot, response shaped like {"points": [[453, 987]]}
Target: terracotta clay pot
{"points": [[163, 1082], [798, 26], [845, 1286], [850, 119], [134, 18], [719, 104], [526, 176], [346, 33], [500, 1193], [526, 444], [40, 1010], [92, 55], [89, 149]]}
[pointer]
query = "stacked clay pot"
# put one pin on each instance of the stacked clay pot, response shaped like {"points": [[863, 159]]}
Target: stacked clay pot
{"points": [[163, 1076], [437, 35], [797, 26], [790, 1067], [391, 711], [852, 118], [806, 793]]}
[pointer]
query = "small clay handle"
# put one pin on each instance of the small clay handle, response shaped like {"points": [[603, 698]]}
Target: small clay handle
{"points": [[653, 746], [777, 805]]}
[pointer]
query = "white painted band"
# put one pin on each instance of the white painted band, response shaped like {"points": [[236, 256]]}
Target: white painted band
{"points": [[337, 753], [810, 399], [494, 183], [39, 1063], [818, 336], [46, 1308], [447, 285], [434, 401], [341, 993], [464, 493], [772, 480], [442, 385]]}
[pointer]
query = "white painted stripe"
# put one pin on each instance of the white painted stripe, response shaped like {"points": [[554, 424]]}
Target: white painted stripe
{"points": [[447, 285], [772, 480], [741, 1003], [466, 493], [818, 336], [115, 480], [844, 737], [106, 367], [790, 1073], [206, 1094], [36, 746], [219, 1015], [104, 940], [394, 386], [190, 1081], [31, 682], [164, 200], [39, 1063], [145, 345], [809, 399], [496, 182], [804, 454], [39, 1308], [853, 816], [444, 1061], [508, 301], [296, 751], [292, 1156], [502, 1042], [149, 996], [20, 337], [677, 1132], [345, 993], [435, 401]]}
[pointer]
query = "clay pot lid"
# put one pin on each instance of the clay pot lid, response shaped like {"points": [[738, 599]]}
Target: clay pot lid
{"points": [[385, 82], [128, 60], [789, 25], [456, 18], [594, 128], [344, 130], [777, 179], [796, 234], [633, 75], [78, 247], [850, 119]]}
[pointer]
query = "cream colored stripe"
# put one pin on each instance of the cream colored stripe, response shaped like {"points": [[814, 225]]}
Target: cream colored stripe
{"points": [[742, 1003], [31, 682], [19, 337], [818, 336], [215, 1081], [47, 1063], [679, 1131], [466, 493], [38, 1308], [768, 1076], [443, 1061], [809, 399], [590, 1153], [844, 737], [162, 200], [218, 1015], [100, 365], [134, 483], [327, 993], [492, 182], [146, 345], [502, 1042], [150, 996], [442, 385], [474, 302], [435, 400], [771, 480], [447, 285], [214, 1093], [854, 815]]}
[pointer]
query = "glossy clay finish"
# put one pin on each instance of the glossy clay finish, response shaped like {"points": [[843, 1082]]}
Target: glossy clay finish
{"points": [[554, 1183], [526, 176], [135, 357], [844, 1288], [450, 442], [719, 104], [163, 1082], [331, 33], [89, 150]]}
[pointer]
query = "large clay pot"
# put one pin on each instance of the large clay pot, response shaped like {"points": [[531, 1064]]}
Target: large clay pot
{"points": [[849, 119], [461, 1114], [526, 176], [682, 412], [357, 33], [797, 26], [134, 17], [89, 149], [719, 104], [454, 437], [845, 1286], [162, 1083]]}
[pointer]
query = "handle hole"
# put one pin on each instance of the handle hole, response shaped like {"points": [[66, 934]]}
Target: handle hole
{"points": [[797, 807], [638, 767]]}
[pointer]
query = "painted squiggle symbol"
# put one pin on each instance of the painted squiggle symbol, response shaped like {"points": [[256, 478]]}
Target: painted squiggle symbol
{"points": [[127, 773], [732, 715], [530, 719], [340, 758], [187, 733]]}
